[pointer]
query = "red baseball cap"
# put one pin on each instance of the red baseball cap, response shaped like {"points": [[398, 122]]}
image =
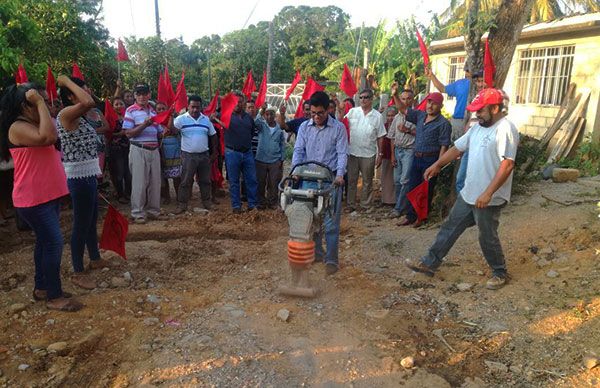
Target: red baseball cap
{"points": [[436, 97], [489, 96]]}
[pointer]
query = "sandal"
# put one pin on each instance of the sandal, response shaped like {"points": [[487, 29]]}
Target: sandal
{"points": [[83, 281], [69, 305]]}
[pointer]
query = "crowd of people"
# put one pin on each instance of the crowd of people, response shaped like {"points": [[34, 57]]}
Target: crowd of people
{"points": [[62, 148]]}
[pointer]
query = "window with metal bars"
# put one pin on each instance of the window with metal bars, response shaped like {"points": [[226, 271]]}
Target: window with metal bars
{"points": [[543, 75], [455, 70]]}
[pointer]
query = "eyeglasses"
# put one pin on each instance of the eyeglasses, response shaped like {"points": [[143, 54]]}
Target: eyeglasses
{"points": [[320, 113], [365, 97]]}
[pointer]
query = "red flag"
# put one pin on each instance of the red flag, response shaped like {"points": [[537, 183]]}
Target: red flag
{"points": [[423, 49], [220, 131], [423, 104], [262, 92], [163, 117], [110, 114], [77, 72], [299, 110], [181, 98], [21, 75], [418, 198], [297, 79], [212, 106], [489, 68], [114, 232], [51, 85], [215, 174], [249, 85], [227, 105], [121, 52], [345, 121], [168, 95], [162, 95], [309, 89], [347, 83], [391, 101]]}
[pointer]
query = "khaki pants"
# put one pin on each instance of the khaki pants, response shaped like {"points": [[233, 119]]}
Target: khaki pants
{"points": [[366, 168], [145, 181]]}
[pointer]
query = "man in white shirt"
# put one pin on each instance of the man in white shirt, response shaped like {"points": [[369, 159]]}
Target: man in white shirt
{"points": [[196, 132], [367, 131], [492, 146]]}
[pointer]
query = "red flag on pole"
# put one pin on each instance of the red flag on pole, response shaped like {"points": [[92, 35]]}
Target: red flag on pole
{"points": [[262, 92], [249, 85], [167, 88], [110, 115], [423, 104], [299, 110], [418, 198], [212, 106], [77, 72], [181, 98], [227, 105], [215, 174], [423, 49], [51, 86], [162, 95], [489, 68], [309, 89], [21, 75], [297, 79], [347, 83], [121, 52], [114, 232], [163, 117]]}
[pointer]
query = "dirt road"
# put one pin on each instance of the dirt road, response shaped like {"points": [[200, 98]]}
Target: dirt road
{"points": [[195, 304]]}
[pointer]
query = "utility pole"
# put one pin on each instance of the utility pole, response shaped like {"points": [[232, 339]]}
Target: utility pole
{"points": [[270, 53], [157, 18]]}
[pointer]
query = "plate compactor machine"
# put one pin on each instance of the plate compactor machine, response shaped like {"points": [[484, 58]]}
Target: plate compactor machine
{"points": [[305, 199]]}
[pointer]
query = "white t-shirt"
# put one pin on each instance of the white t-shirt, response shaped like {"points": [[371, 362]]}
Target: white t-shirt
{"points": [[488, 147], [364, 132], [194, 133]]}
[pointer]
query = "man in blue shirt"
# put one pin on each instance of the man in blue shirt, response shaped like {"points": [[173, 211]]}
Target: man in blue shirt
{"points": [[432, 139], [460, 90], [293, 125], [323, 139], [238, 156]]}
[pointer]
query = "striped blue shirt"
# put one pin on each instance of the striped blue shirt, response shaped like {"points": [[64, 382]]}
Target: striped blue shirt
{"points": [[194, 132]]}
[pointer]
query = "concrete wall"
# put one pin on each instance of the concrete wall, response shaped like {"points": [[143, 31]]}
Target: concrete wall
{"points": [[534, 119]]}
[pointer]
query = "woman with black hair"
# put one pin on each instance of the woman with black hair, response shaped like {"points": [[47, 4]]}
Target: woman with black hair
{"points": [[80, 160], [28, 135]]}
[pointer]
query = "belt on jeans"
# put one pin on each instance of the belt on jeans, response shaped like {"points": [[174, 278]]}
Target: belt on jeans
{"points": [[425, 154], [143, 146], [240, 149]]}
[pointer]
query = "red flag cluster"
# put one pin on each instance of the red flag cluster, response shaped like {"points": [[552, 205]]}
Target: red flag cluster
{"points": [[51, 86], [77, 72], [212, 106], [181, 99], [262, 91], [122, 55], [165, 88]]}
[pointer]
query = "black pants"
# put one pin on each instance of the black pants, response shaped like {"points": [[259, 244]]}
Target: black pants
{"points": [[118, 164]]}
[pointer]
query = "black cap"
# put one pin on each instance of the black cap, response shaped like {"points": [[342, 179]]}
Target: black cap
{"points": [[477, 74], [141, 89]]}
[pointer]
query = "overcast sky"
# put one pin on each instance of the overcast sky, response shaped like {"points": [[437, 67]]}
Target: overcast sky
{"points": [[193, 19]]}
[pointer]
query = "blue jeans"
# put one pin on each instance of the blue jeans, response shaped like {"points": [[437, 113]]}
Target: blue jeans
{"points": [[461, 175], [44, 221], [463, 216], [404, 159], [84, 195], [243, 162], [330, 227], [416, 178]]}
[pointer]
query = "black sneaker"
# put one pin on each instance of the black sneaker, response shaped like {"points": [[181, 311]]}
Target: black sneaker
{"points": [[236, 210], [330, 269]]}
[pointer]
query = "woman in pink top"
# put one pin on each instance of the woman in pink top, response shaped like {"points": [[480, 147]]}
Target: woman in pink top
{"points": [[28, 134]]}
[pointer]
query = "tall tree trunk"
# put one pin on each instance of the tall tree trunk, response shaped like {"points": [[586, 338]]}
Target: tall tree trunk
{"points": [[473, 35], [504, 35]]}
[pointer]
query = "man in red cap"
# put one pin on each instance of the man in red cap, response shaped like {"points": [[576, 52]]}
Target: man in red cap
{"points": [[432, 139], [492, 145]]}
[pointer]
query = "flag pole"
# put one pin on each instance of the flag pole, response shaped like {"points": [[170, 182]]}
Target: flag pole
{"points": [[119, 69]]}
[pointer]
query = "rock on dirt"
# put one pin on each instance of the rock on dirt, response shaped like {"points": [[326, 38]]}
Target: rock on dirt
{"points": [[378, 314], [464, 287], [560, 175], [17, 308], [425, 379], [151, 321], [118, 282], [496, 367], [407, 362], [552, 274], [283, 315], [590, 362], [23, 367], [60, 348]]}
